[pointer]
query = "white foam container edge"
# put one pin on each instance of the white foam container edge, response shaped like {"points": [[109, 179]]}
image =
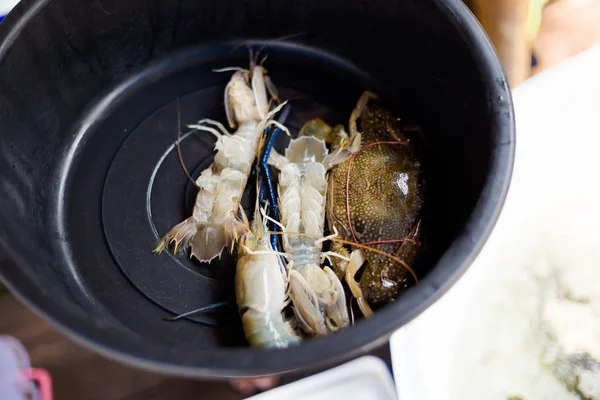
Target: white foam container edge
{"points": [[554, 194], [6, 6], [365, 378]]}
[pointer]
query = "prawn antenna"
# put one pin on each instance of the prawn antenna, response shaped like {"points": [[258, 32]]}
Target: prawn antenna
{"points": [[227, 69], [199, 310], [354, 244], [267, 42], [178, 143]]}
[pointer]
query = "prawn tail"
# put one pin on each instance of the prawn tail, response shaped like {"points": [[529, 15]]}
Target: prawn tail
{"points": [[211, 239], [181, 235], [208, 242]]}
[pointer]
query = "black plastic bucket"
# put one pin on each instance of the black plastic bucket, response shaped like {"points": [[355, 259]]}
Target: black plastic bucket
{"points": [[91, 96]]}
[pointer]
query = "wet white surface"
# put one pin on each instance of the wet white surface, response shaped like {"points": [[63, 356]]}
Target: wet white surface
{"points": [[479, 340]]}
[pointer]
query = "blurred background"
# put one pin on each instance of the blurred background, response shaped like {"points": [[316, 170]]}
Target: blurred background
{"points": [[532, 35], [529, 35]]}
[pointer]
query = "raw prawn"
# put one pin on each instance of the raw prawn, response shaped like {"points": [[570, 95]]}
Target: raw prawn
{"points": [[317, 294], [260, 288], [213, 224]]}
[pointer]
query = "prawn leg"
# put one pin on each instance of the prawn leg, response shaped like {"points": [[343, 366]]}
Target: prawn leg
{"points": [[306, 305], [213, 131], [357, 259], [260, 91], [361, 105], [336, 310], [340, 264], [217, 124]]}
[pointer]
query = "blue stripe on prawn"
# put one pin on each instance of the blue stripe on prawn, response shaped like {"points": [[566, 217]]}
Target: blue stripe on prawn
{"points": [[267, 179], [261, 286]]}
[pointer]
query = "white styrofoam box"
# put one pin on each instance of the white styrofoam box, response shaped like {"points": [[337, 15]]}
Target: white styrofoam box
{"points": [[366, 378], [552, 210], [6, 6]]}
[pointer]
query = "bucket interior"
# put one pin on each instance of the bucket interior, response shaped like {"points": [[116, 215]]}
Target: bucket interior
{"points": [[92, 94]]}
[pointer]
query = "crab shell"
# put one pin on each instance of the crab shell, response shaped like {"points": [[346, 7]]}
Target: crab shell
{"points": [[385, 196]]}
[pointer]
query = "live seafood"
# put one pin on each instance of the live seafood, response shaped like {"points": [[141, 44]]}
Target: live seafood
{"points": [[261, 289], [375, 198], [317, 294], [375, 164], [213, 224]]}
